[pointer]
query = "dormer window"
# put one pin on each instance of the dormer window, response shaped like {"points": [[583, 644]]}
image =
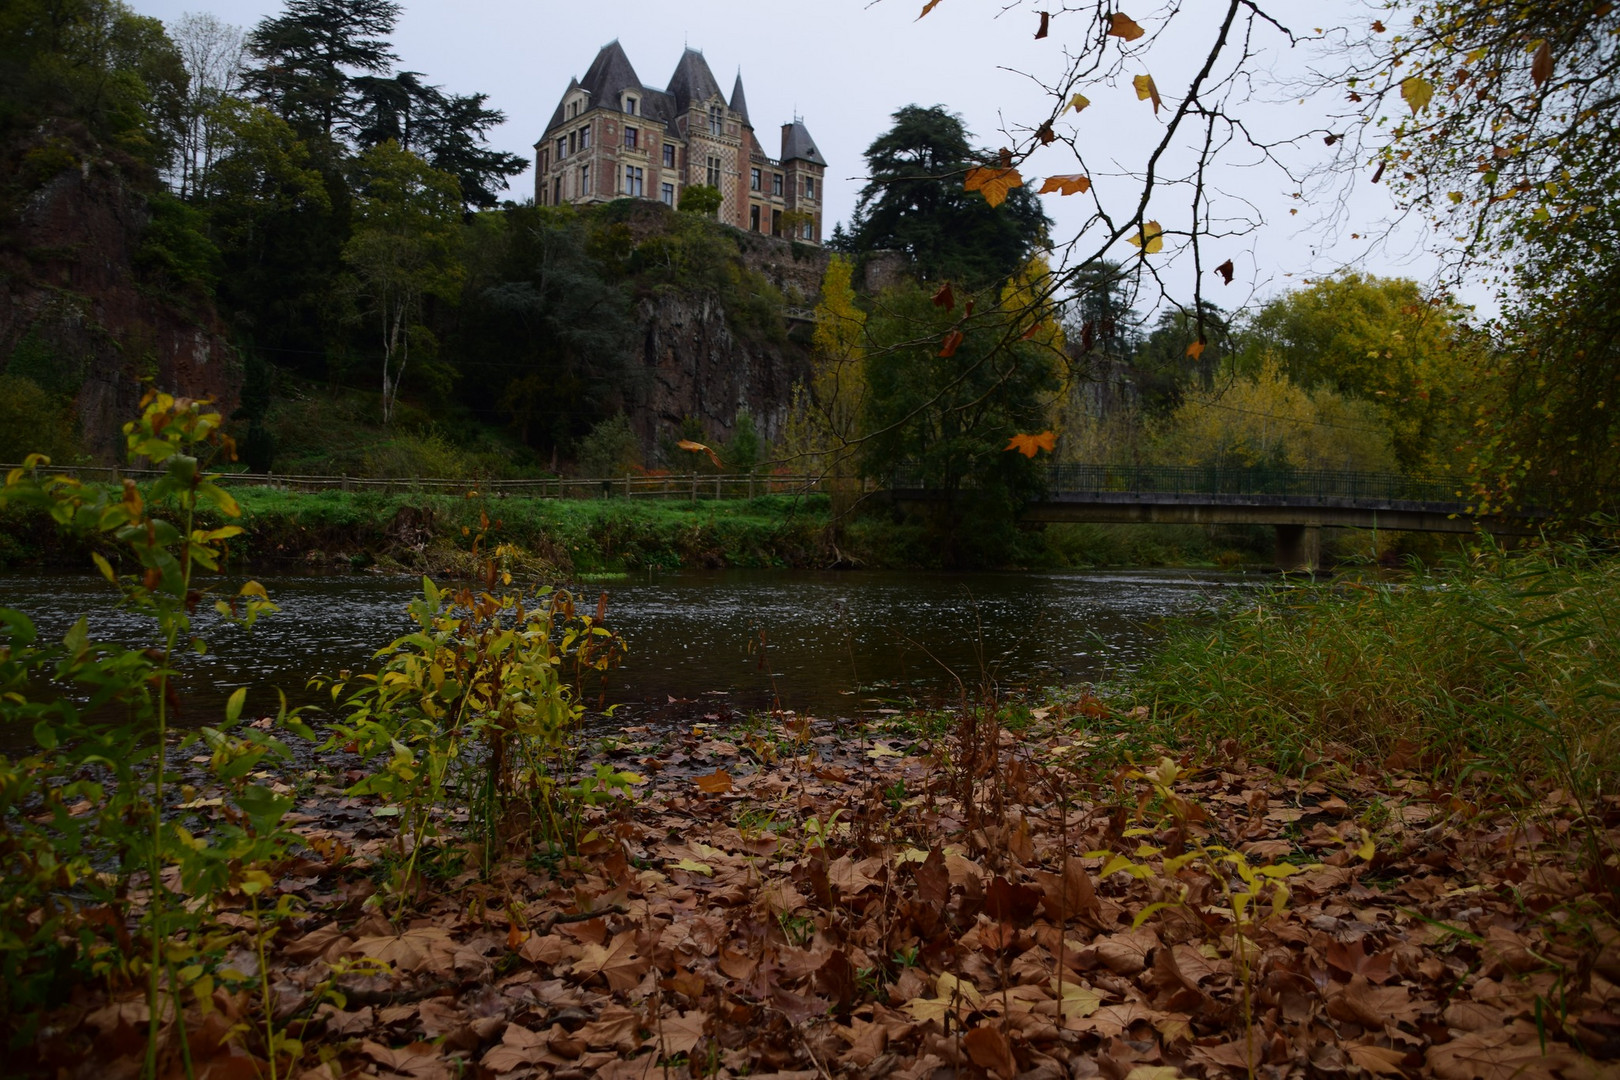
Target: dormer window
{"points": [[629, 105]]}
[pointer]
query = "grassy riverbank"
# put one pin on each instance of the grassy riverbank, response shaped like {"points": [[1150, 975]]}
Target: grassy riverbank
{"points": [[423, 532], [1499, 669]]}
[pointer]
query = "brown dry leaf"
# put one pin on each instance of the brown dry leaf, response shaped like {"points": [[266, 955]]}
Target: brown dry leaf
{"points": [[988, 1049], [617, 962], [930, 6], [418, 1061], [715, 783], [1239, 1055], [944, 297], [679, 1032], [1541, 67], [1046, 20], [1126, 953], [644, 1067], [1068, 894], [316, 943], [1373, 1007], [1111, 1020], [518, 1047], [1227, 271], [992, 183], [1352, 959], [1379, 1060], [613, 1029], [427, 948], [846, 876], [1504, 1054], [549, 949], [1123, 26], [1071, 184], [1473, 1016], [952, 342], [866, 1041]]}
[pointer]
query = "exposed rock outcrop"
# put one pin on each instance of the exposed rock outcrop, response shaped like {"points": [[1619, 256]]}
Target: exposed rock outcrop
{"points": [[75, 315], [697, 365]]}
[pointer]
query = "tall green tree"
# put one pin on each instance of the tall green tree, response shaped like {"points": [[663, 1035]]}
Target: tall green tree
{"points": [[278, 213], [95, 61], [446, 130], [403, 250], [1381, 340], [943, 408], [309, 57], [914, 202], [1498, 121], [546, 336]]}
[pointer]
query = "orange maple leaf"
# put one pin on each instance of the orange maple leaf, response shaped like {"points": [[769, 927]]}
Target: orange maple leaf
{"points": [[1029, 445], [992, 183], [1072, 184], [699, 448]]}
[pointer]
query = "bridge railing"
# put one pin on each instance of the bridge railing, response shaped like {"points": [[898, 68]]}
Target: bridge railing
{"points": [[1257, 481], [1253, 481], [691, 486]]}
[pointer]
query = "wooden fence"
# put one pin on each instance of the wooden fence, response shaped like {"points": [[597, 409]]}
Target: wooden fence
{"points": [[691, 486]]}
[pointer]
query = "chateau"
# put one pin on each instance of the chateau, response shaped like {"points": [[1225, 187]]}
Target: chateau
{"points": [[613, 138]]}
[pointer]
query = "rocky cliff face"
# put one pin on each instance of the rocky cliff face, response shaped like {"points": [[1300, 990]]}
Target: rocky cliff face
{"points": [[697, 365], [75, 316]]}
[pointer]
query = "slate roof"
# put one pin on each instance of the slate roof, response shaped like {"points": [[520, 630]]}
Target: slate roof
{"points": [[692, 81], [557, 117], [739, 104], [609, 75], [797, 144]]}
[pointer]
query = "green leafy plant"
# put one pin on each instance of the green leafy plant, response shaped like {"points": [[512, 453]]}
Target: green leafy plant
{"points": [[99, 873]]}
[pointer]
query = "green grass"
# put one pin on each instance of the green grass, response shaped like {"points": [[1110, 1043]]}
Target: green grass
{"points": [[1502, 667], [591, 536]]}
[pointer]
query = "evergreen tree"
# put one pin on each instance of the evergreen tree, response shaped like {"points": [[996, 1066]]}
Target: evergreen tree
{"points": [[915, 203], [309, 59]]}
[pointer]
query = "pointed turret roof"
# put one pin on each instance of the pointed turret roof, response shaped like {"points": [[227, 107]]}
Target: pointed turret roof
{"points": [[797, 143], [609, 75], [692, 81], [557, 117], [739, 103]]}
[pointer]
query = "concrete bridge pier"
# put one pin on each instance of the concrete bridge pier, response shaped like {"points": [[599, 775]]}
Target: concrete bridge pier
{"points": [[1299, 547]]}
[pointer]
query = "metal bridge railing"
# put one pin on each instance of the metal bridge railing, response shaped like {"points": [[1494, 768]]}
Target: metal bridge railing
{"points": [[1259, 482], [691, 486]]}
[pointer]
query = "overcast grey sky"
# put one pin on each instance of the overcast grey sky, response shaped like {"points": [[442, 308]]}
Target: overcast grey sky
{"points": [[844, 66]]}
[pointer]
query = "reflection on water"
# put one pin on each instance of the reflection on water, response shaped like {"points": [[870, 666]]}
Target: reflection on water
{"points": [[826, 643]]}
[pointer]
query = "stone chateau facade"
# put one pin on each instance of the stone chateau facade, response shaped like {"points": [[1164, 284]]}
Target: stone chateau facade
{"points": [[613, 138]]}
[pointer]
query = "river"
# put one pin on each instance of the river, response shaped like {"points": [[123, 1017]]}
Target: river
{"points": [[705, 644]]}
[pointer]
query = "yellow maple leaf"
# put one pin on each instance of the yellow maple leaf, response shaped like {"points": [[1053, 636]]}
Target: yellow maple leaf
{"points": [[1072, 184], [1123, 26], [1417, 92], [1078, 102], [992, 183], [1150, 239], [1195, 350], [1028, 445], [1146, 90]]}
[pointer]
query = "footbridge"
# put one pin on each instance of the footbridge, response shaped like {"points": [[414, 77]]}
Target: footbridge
{"points": [[1297, 503]]}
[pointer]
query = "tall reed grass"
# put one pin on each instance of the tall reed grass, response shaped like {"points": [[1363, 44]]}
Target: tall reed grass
{"points": [[1502, 666]]}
